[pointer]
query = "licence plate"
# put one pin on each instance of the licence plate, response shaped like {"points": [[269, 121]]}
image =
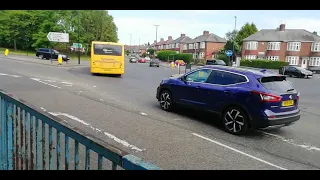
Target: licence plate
{"points": [[288, 103]]}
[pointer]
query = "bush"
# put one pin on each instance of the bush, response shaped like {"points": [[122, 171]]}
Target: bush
{"points": [[164, 55], [223, 57], [265, 64], [187, 58]]}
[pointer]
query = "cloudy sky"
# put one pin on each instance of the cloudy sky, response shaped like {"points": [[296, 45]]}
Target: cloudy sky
{"points": [[140, 23]]}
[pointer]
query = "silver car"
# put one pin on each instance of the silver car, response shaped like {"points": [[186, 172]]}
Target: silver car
{"points": [[133, 60]]}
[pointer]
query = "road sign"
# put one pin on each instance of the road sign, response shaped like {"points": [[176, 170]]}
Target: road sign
{"points": [[77, 45], [58, 37], [229, 53]]}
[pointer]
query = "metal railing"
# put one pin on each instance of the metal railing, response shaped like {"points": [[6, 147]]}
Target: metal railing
{"points": [[34, 140]]}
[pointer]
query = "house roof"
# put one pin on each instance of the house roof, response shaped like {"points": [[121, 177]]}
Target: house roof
{"points": [[182, 39], [286, 35], [208, 38]]}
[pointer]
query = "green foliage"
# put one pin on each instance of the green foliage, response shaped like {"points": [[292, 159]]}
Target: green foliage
{"points": [[187, 58], [127, 52], [151, 51], [265, 64], [26, 29], [223, 57], [166, 55], [245, 31], [144, 54]]}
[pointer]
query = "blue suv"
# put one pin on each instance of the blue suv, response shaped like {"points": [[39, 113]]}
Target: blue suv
{"points": [[243, 97]]}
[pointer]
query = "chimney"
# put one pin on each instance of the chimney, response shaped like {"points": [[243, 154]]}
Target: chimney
{"points": [[161, 39], [315, 33], [169, 37], [205, 32], [183, 35], [282, 27]]}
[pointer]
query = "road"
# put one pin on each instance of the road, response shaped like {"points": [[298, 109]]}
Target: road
{"points": [[124, 112]]}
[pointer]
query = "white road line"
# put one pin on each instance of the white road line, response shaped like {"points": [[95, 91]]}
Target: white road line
{"points": [[292, 142], [3, 74], [116, 139], [143, 114], [38, 80], [238, 151], [49, 80]]}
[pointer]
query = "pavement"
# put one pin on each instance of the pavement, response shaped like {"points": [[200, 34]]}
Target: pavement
{"points": [[125, 113], [34, 59]]}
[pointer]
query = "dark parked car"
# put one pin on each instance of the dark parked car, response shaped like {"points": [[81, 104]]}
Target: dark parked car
{"points": [[154, 62], [216, 62], [47, 53], [314, 69], [295, 71], [244, 98]]}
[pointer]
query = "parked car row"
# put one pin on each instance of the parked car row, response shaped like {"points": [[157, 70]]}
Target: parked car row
{"points": [[295, 71]]}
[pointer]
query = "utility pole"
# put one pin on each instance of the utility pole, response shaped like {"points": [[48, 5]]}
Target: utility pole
{"points": [[156, 32], [78, 37], [139, 45], [130, 43], [234, 36]]}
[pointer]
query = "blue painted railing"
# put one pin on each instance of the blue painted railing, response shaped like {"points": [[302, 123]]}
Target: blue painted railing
{"points": [[30, 139]]}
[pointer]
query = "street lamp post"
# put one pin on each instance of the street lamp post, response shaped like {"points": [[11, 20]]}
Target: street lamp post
{"points": [[234, 36], [130, 44], [78, 37]]}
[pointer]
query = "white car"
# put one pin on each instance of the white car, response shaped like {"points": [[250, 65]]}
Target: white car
{"points": [[147, 58]]}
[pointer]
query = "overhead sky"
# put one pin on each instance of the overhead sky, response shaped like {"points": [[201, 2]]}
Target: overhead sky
{"points": [[140, 23]]}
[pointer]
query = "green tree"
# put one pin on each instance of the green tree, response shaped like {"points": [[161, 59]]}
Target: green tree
{"points": [[230, 35], [151, 51], [245, 31], [32, 26], [187, 58], [166, 55]]}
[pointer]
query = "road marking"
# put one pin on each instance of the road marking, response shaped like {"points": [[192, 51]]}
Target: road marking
{"points": [[94, 86], [238, 151], [292, 142], [49, 80], [3, 74], [143, 114], [116, 139], [38, 80]]}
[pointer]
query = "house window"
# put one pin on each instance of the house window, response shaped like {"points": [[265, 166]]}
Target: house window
{"points": [[293, 46], [202, 45], [161, 47], [190, 46], [315, 47], [177, 45], [252, 45], [250, 57], [293, 60], [273, 58], [196, 45], [314, 61], [201, 55], [185, 47], [274, 46]]}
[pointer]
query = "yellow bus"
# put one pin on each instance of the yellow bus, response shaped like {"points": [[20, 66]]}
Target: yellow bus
{"points": [[107, 58]]}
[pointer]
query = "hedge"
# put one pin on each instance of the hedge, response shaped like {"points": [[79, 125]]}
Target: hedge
{"points": [[166, 55], [265, 64]]}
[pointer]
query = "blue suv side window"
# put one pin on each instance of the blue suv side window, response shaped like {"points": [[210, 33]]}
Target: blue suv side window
{"points": [[199, 76], [225, 78]]}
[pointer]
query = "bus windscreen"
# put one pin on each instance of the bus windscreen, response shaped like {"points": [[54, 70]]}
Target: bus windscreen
{"points": [[107, 50]]}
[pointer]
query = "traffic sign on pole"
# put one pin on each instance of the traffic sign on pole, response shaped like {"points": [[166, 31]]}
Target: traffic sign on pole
{"points": [[229, 53], [77, 45], [58, 37]]}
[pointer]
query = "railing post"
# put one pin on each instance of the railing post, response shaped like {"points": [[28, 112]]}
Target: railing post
{"points": [[10, 136], [3, 153]]}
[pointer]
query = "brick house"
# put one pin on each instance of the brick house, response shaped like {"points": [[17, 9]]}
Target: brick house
{"points": [[153, 45], [167, 43], [205, 46], [159, 45], [297, 46], [177, 44]]}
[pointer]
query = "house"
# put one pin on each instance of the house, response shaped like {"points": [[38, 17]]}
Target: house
{"points": [[167, 43], [159, 45], [296, 46], [153, 45], [206, 46], [177, 44]]}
